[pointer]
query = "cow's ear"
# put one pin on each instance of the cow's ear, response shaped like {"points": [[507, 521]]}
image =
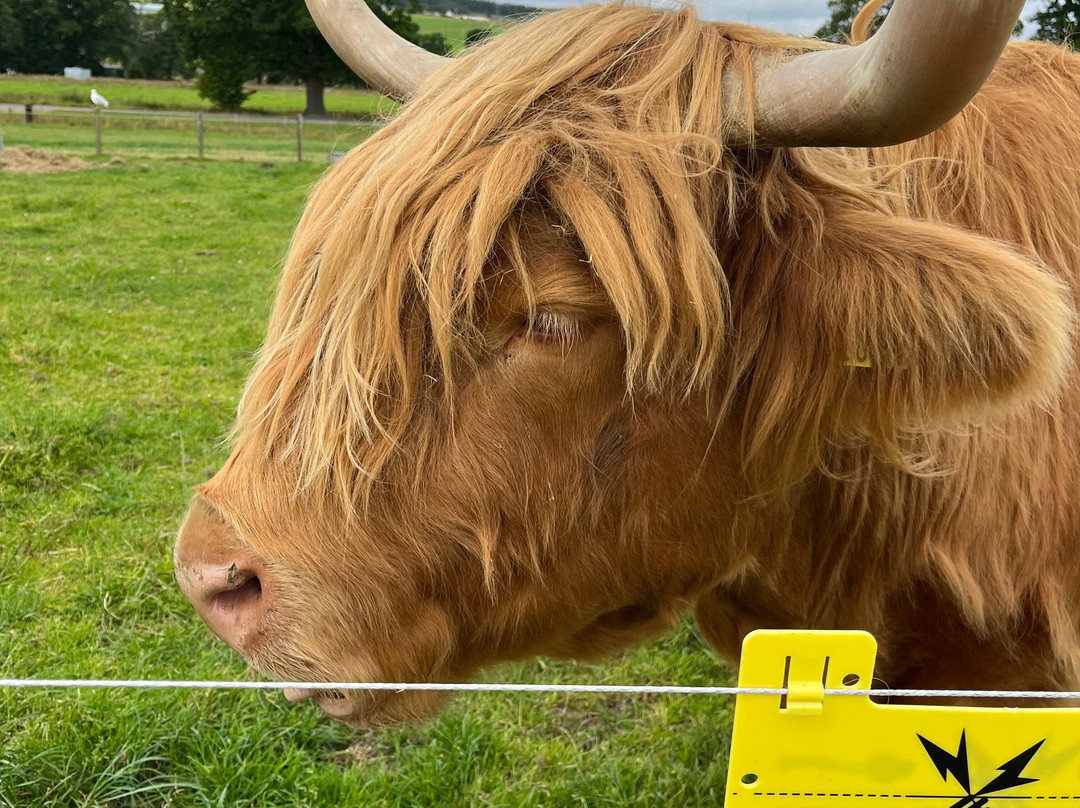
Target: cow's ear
{"points": [[874, 328]]}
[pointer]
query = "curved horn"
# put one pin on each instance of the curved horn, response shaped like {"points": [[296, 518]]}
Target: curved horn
{"points": [[922, 67], [376, 54]]}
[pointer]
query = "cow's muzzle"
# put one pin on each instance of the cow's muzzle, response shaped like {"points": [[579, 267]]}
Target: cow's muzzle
{"points": [[225, 583]]}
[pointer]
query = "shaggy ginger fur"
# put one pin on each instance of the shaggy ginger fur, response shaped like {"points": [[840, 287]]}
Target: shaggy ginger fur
{"points": [[550, 364]]}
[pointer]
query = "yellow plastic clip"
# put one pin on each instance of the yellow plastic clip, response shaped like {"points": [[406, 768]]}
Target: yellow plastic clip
{"points": [[805, 698]]}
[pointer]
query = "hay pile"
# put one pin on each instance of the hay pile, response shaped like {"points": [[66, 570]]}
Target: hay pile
{"points": [[25, 160]]}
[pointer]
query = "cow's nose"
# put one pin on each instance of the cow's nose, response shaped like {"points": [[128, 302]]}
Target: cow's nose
{"points": [[224, 582]]}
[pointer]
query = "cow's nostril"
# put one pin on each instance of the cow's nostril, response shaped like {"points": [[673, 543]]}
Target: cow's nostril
{"points": [[228, 586], [242, 596], [235, 608]]}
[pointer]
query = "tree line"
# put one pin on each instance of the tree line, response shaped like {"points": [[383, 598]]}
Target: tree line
{"points": [[486, 8], [226, 43]]}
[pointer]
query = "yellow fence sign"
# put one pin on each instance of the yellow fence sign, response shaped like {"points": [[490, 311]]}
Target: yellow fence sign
{"points": [[806, 749]]}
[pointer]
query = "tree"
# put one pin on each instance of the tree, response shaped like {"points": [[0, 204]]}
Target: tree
{"points": [[1058, 22], [7, 35], [217, 42], [45, 36], [293, 48], [434, 42], [474, 36], [842, 14], [154, 54], [233, 41]]}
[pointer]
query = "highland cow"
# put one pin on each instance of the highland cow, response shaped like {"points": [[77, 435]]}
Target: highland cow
{"points": [[625, 315]]}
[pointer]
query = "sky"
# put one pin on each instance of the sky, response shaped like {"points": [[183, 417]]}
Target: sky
{"points": [[789, 16]]}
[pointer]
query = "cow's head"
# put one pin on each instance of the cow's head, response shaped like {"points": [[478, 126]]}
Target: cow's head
{"points": [[539, 340]]}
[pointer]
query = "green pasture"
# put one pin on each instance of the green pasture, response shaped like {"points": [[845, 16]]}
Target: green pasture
{"points": [[341, 102], [134, 296], [453, 30]]}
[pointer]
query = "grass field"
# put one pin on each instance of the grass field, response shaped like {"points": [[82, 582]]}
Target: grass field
{"points": [[134, 296], [453, 30], [180, 95]]}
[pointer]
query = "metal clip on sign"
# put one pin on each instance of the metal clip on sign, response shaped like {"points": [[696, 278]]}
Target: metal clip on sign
{"points": [[812, 748]]}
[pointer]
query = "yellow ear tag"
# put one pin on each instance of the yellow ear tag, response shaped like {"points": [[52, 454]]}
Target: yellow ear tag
{"points": [[816, 750], [860, 360]]}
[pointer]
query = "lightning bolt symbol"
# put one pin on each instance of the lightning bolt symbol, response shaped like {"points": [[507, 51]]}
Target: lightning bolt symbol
{"points": [[957, 764], [1011, 771]]}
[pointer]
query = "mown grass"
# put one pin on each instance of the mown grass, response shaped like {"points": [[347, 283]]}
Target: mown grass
{"points": [[134, 296], [341, 102]]}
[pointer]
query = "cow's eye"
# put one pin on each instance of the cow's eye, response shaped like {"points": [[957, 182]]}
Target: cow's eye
{"points": [[546, 326], [543, 328]]}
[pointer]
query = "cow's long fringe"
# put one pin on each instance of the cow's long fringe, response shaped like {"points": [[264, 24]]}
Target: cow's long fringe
{"points": [[613, 119]]}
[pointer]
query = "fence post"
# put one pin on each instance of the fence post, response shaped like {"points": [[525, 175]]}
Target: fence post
{"points": [[300, 138], [97, 129], [1, 141], [199, 126], [29, 113]]}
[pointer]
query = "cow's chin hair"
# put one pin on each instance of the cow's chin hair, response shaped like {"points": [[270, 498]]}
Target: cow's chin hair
{"points": [[286, 652], [358, 708], [610, 633]]}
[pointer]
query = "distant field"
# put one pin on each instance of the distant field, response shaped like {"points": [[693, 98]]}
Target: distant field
{"points": [[179, 95], [453, 30], [134, 298]]}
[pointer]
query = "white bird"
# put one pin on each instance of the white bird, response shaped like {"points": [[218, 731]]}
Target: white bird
{"points": [[98, 99]]}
